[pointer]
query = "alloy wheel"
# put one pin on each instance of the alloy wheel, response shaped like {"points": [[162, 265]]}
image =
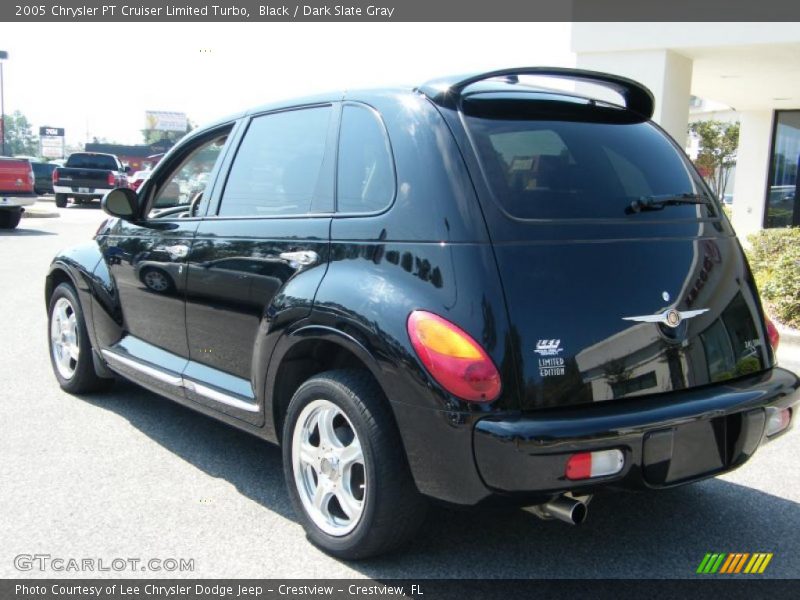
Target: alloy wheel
{"points": [[64, 338], [329, 469]]}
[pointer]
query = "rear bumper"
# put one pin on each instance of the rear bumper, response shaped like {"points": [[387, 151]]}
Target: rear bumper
{"points": [[669, 440], [16, 201], [75, 191]]}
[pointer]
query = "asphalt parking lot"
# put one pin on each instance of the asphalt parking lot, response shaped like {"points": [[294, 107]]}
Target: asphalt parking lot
{"points": [[128, 474]]}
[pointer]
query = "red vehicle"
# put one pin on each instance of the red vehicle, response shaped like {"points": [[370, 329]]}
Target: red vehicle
{"points": [[16, 190], [137, 179]]}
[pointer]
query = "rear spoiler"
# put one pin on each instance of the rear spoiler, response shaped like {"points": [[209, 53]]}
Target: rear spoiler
{"points": [[447, 91]]}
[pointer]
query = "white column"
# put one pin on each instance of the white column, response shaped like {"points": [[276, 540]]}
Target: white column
{"points": [[667, 74], [752, 171]]}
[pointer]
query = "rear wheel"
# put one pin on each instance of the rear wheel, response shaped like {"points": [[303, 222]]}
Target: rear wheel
{"points": [[61, 200], [9, 219], [70, 348], [345, 467]]}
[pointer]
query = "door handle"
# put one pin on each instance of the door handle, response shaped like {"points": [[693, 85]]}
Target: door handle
{"points": [[302, 258], [177, 251]]}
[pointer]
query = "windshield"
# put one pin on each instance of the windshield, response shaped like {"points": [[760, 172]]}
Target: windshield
{"points": [[92, 161], [559, 169]]}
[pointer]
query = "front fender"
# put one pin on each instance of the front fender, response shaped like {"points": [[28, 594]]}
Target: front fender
{"points": [[76, 265]]}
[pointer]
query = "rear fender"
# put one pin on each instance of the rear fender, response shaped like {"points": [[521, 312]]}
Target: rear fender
{"points": [[301, 333]]}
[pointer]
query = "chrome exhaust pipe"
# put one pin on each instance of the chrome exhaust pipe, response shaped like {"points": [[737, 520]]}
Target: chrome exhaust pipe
{"points": [[564, 508]]}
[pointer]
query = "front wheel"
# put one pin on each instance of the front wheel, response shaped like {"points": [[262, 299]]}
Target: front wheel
{"points": [[345, 467], [70, 348]]}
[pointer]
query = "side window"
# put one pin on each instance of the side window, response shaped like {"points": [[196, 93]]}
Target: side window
{"points": [[185, 187], [278, 169], [365, 174]]}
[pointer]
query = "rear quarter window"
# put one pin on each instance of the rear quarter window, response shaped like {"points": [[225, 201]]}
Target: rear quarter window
{"points": [[365, 172], [573, 169]]}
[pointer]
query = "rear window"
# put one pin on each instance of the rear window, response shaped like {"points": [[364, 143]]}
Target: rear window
{"points": [[92, 161], [573, 169]]}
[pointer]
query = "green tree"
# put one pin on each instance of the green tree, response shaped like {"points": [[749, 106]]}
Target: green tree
{"points": [[20, 139], [717, 154]]}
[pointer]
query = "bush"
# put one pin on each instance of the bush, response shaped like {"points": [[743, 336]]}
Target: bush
{"points": [[775, 260]]}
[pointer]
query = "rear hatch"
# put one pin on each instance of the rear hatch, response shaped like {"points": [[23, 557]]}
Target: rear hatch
{"points": [[621, 276]]}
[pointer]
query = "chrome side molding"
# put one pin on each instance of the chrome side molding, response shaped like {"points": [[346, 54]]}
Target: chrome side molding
{"points": [[180, 382], [217, 396], [158, 374]]}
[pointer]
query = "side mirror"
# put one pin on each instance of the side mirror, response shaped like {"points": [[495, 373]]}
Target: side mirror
{"points": [[121, 203], [128, 170]]}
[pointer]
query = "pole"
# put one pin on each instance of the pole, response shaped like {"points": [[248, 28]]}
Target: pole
{"points": [[2, 108]]}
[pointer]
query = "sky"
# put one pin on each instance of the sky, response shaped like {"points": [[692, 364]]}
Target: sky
{"points": [[98, 79]]}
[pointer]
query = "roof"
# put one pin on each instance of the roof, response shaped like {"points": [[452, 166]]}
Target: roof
{"points": [[125, 150]]}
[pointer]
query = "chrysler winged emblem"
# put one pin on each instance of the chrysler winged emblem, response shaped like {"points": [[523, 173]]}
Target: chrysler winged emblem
{"points": [[670, 317]]}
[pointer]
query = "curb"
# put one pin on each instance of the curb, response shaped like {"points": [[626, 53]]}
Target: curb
{"points": [[39, 213]]}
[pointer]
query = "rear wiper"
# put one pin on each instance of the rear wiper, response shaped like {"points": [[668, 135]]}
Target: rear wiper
{"points": [[645, 203]]}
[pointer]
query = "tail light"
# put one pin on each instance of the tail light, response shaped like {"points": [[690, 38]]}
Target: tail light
{"points": [[134, 185], [453, 358], [55, 176], [112, 180], [772, 334]]}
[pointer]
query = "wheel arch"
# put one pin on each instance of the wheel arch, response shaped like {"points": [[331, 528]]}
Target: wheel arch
{"points": [[58, 274], [306, 352]]}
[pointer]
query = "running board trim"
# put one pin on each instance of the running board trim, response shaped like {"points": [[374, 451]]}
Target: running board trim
{"points": [[179, 381], [217, 396], [153, 372]]}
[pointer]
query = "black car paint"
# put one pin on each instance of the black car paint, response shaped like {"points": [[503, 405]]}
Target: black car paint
{"points": [[432, 250]]}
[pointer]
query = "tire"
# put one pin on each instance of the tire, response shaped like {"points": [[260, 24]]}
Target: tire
{"points": [[69, 345], [61, 200], [9, 219], [385, 510], [157, 280]]}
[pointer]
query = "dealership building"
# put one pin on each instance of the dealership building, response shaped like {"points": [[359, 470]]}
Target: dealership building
{"points": [[753, 68]]}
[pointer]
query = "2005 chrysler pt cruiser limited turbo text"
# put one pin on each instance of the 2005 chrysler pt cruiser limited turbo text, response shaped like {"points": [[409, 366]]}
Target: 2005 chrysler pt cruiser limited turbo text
{"points": [[477, 291]]}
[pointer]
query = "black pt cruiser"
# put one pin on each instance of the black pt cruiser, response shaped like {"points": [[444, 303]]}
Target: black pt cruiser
{"points": [[477, 290]]}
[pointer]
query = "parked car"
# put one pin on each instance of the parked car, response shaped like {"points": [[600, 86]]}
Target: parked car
{"points": [[43, 175], [16, 190], [87, 176], [490, 293], [138, 178]]}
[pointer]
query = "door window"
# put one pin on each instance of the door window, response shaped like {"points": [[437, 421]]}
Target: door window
{"points": [[278, 169], [188, 185]]}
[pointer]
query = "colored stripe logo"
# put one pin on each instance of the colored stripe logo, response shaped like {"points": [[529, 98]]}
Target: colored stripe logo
{"points": [[734, 562]]}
